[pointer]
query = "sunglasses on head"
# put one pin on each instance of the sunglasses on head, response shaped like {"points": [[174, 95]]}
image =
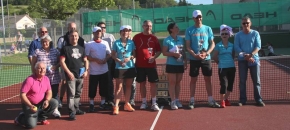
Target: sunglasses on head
{"points": [[245, 23], [224, 34]]}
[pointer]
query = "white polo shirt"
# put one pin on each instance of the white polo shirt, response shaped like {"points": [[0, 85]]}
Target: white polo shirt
{"points": [[97, 50]]}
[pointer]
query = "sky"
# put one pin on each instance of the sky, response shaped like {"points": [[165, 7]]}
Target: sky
{"points": [[197, 2]]}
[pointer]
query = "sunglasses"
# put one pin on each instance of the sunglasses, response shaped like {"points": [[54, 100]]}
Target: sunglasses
{"points": [[245, 23], [198, 17], [43, 31], [103, 27], [224, 34]]}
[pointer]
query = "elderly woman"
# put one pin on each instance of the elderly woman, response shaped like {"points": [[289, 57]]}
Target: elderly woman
{"points": [[123, 53], [224, 56], [176, 62], [50, 57]]}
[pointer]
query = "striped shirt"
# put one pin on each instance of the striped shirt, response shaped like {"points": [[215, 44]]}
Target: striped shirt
{"points": [[50, 59]]}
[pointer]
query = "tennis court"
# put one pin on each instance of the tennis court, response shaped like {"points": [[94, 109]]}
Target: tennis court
{"points": [[275, 83]]}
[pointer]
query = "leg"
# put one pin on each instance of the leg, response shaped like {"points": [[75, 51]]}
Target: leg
{"points": [[29, 118], [133, 90], [78, 93], [243, 73], [118, 90], [128, 89], [143, 89], [231, 79], [93, 83], [172, 77], [207, 73], [45, 113], [71, 89], [194, 72], [223, 82], [255, 75], [110, 87], [63, 85], [177, 85]]}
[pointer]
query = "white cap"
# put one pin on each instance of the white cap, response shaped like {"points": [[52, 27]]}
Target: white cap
{"points": [[95, 29], [129, 27], [125, 26], [195, 13], [223, 26], [226, 27]]}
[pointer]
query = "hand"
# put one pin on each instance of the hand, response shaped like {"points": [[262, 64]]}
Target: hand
{"points": [[251, 60], [151, 60], [185, 65], [247, 56], [85, 74], [45, 104], [198, 56], [177, 55], [33, 108], [98, 61], [71, 76], [127, 60]]}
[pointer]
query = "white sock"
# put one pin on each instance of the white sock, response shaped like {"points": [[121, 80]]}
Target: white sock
{"points": [[144, 100], [92, 102], [192, 99], [210, 98], [102, 101], [153, 100]]}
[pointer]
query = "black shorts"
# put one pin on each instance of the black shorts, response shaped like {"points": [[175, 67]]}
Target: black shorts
{"points": [[205, 66], [151, 73], [125, 73], [174, 69]]}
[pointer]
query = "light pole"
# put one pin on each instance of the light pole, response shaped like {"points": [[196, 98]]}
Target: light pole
{"points": [[3, 26]]}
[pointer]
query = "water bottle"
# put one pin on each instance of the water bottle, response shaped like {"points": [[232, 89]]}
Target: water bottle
{"points": [[48, 69]]}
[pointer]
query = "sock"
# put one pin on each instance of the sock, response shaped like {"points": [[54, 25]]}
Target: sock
{"points": [[153, 100], [102, 101], [92, 102], [144, 100], [210, 98], [192, 99]]}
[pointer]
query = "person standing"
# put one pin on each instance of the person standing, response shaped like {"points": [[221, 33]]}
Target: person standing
{"points": [[123, 53], [176, 63], [147, 50], [19, 39], [61, 42], [247, 44], [199, 44], [98, 53], [75, 64], [111, 66], [36, 101], [224, 55]]}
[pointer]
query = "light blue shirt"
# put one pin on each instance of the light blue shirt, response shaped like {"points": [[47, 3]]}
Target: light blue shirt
{"points": [[247, 43], [124, 52], [194, 35], [170, 43], [225, 55]]}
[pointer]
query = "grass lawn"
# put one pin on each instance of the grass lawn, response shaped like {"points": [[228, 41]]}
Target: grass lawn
{"points": [[20, 58]]}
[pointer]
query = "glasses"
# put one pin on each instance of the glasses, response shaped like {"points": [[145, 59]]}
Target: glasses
{"points": [[224, 34], [147, 26], [43, 31], [103, 27], [198, 17], [245, 23]]}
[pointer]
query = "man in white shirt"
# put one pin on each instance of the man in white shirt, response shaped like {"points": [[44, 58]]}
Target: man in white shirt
{"points": [[98, 53]]}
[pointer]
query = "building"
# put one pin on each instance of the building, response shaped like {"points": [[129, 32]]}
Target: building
{"points": [[18, 22]]}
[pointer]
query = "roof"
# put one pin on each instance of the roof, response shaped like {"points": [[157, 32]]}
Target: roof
{"points": [[15, 18]]}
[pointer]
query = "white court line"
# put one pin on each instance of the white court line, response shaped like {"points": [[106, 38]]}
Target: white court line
{"points": [[9, 98], [279, 64], [156, 118]]}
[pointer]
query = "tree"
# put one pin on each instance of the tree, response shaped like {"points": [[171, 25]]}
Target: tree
{"points": [[183, 3], [54, 9], [157, 3], [127, 4], [96, 4]]}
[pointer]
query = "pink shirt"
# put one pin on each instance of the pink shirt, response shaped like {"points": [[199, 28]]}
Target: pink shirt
{"points": [[35, 89]]}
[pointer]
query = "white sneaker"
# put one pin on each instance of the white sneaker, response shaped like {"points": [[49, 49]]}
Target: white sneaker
{"points": [[173, 105], [178, 104], [155, 107], [143, 106], [56, 113]]}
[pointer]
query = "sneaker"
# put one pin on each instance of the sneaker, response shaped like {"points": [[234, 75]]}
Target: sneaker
{"points": [[143, 106], [213, 104], [80, 112], [132, 103], [223, 104], [115, 110], [45, 122], [128, 107], [109, 105], [260, 104], [173, 105], [59, 106], [155, 107], [91, 108], [227, 102], [178, 103], [56, 113], [191, 104], [72, 116]]}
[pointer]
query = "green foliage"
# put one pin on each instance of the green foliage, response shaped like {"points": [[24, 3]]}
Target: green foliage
{"points": [[95, 4], [127, 4], [54, 9], [157, 3]]}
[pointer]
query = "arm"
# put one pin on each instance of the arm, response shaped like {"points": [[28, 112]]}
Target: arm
{"points": [[33, 62], [237, 44], [86, 63], [31, 51], [257, 44], [25, 100], [114, 56], [215, 56], [66, 70], [212, 45]]}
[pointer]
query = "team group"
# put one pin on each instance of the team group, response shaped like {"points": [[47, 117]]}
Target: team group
{"points": [[129, 60]]}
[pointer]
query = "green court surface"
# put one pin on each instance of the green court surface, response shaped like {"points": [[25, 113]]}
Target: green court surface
{"points": [[13, 75]]}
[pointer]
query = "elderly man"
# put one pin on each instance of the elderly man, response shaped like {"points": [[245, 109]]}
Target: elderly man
{"points": [[35, 95], [64, 41], [36, 44]]}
